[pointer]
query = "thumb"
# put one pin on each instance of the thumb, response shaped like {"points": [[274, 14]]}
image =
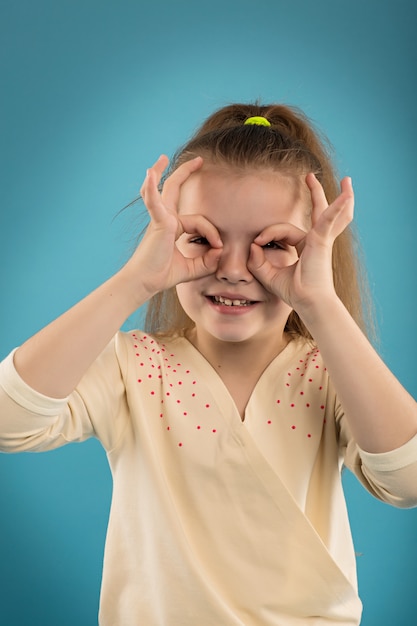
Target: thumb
{"points": [[206, 264]]}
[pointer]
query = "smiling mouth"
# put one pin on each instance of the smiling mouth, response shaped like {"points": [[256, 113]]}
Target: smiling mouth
{"points": [[230, 302]]}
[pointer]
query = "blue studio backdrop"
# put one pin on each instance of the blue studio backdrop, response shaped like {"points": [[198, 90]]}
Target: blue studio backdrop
{"points": [[92, 92]]}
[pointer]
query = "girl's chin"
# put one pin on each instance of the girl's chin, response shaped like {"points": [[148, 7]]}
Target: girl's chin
{"points": [[231, 335]]}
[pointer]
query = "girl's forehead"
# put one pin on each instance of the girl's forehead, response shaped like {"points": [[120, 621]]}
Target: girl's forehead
{"points": [[215, 190], [224, 176]]}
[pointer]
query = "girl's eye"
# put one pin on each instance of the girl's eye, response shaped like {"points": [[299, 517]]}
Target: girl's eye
{"points": [[200, 241], [274, 245]]}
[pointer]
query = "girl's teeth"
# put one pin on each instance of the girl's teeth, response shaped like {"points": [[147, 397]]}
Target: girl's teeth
{"points": [[229, 302]]}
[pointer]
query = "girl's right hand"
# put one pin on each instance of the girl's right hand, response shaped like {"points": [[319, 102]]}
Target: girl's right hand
{"points": [[57, 357], [157, 263]]}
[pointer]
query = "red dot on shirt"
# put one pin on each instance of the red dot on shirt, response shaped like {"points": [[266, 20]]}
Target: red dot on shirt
{"points": [[139, 380], [292, 405], [180, 444], [269, 422], [322, 406], [293, 427], [307, 405], [214, 430], [278, 401], [207, 406], [308, 435], [152, 393], [198, 427]]}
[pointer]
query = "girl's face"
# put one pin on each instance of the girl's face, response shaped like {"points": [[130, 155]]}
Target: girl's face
{"points": [[231, 305]]}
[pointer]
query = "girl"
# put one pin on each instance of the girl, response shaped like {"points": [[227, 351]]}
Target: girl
{"points": [[228, 421]]}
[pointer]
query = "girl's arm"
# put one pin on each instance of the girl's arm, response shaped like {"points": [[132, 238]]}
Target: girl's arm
{"points": [[55, 359], [381, 414]]}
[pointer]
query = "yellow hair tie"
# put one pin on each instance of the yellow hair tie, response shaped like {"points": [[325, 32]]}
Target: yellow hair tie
{"points": [[258, 120]]}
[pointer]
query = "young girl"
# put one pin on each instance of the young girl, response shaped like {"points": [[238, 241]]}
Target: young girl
{"points": [[227, 422]]}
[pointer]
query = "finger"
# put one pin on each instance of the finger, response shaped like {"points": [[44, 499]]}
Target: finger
{"points": [[172, 186], [201, 226], [263, 270], [330, 220], [158, 168], [204, 265], [257, 259], [318, 197], [284, 233], [339, 213], [152, 197]]}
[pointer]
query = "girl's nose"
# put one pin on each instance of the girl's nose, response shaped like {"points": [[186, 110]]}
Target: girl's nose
{"points": [[233, 266]]}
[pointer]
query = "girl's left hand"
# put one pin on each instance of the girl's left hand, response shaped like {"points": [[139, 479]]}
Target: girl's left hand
{"points": [[310, 278]]}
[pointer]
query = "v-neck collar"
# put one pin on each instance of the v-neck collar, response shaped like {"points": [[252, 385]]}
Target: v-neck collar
{"points": [[218, 388]]}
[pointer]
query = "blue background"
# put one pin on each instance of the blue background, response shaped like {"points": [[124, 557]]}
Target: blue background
{"points": [[92, 92]]}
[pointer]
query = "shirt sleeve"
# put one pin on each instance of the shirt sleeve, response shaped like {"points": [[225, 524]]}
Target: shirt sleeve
{"points": [[389, 476], [31, 421]]}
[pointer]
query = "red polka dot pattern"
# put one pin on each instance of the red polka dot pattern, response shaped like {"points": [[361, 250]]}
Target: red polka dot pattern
{"points": [[174, 386], [185, 406], [302, 393]]}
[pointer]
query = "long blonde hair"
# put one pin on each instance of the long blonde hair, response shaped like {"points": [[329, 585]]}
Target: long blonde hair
{"points": [[290, 145]]}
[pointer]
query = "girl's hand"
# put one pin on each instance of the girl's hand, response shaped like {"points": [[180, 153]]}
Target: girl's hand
{"points": [[157, 262], [306, 281]]}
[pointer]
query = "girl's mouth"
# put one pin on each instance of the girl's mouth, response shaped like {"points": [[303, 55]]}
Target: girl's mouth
{"points": [[235, 302]]}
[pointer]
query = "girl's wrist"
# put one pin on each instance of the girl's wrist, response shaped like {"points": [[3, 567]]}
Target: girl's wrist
{"points": [[316, 311], [130, 292]]}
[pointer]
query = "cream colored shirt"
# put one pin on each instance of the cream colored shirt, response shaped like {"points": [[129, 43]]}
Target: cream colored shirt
{"points": [[215, 521]]}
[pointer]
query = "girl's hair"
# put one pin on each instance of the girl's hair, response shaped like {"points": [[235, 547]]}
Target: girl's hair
{"points": [[289, 145]]}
